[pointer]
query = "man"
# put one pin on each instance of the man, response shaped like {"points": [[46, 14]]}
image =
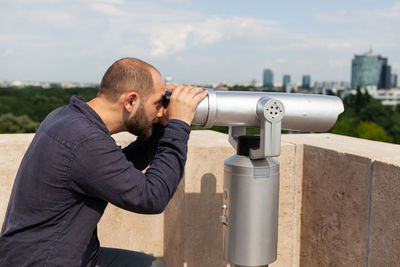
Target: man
{"points": [[73, 168]]}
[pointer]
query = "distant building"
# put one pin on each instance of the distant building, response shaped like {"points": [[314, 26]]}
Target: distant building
{"points": [[291, 88], [306, 82], [285, 80], [71, 84], [339, 88], [21, 84], [388, 97], [222, 86], [339, 85], [268, 78], [370, 70], [393, 80], [68, 84], [168, 80]]}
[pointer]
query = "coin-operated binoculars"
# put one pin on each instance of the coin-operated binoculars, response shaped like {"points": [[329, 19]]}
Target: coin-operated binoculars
{"points": [[251, 177]]}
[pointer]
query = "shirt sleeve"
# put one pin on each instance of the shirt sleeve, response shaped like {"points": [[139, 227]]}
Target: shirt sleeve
{"points": [[141, 152], [101, 170]]}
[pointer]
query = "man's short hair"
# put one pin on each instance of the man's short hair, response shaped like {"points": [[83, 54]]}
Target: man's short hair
{"points": [[127, 74]]}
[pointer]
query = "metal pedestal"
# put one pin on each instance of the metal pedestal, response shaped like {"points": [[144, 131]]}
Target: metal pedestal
{"points": [[250, 207]]}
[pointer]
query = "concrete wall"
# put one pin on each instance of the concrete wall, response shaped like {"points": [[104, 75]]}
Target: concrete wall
{"points": [[338, 203], [350, 214]]}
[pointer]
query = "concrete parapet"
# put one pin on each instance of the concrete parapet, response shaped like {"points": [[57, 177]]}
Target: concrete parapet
{"points": [[350, 214], [338, 203]]}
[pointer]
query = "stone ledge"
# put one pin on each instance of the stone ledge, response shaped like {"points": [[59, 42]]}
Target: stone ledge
{"points": [[338, 203], [374, 150]]}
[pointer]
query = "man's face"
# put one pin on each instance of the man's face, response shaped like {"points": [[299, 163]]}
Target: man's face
{"points": [[149, 110]]}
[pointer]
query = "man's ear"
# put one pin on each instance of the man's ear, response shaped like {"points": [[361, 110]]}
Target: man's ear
{"points": [[131, 101]]}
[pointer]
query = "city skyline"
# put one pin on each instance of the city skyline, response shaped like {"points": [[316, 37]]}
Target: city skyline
{"points": [[195, 41]]}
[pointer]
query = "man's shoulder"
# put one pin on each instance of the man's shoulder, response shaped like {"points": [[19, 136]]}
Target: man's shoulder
{"points": [[71, 127]]}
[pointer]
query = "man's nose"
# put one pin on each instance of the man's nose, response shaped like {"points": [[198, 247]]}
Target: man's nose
{"points": [[160, 113]]}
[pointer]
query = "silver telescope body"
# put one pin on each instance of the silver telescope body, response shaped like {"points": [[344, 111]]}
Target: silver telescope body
{"points": [[303, 112], [251, 176]]}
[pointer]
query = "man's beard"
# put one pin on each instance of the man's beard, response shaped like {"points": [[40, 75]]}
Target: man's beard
{"points": [[139, 126]]}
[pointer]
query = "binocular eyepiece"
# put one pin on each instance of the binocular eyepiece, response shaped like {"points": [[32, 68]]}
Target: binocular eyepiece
{"points": [[166, 98]]}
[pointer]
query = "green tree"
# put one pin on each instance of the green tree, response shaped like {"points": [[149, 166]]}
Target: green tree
{"points": [[370, 130], [38, 102], [346, 125], [378, 113], [361, 108], [359, 101], [10, 123]]}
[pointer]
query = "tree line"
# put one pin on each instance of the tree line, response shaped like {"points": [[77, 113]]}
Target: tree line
{"points": [[22, 110], [366, 117]]}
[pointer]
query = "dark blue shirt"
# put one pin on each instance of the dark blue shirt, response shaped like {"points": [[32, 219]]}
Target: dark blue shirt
{"points": [[69, 173]]}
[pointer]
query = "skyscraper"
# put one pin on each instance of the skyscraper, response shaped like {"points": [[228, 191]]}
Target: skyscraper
{"points": [[393, 80], [306, 82], [268, 78], [285, 80], [369, 69]]}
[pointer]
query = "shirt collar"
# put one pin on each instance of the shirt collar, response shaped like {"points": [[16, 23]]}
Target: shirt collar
{"points": [[80, 104]]}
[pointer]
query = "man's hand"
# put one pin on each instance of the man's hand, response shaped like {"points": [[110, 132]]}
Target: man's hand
{"points": [[183, 102]]}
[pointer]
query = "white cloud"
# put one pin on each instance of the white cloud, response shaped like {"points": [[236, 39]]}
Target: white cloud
{"points": [[339, 63], [169, 30], [340, 17], [178, 1], [280, 60], [35, 2], [166, 40], [140, 27], [373, 16], [112, 1], [376, 25], [356, 31], [107, 9], [180, 59], [169, 38], [303, 62], [49, 16], [7, 52], [390, 14], [12, 38]]}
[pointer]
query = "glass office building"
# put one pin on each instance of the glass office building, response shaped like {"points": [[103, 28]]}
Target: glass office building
{"points": [[306, 82], [268, 78], [393, 80], [370, 70], [285, 80]]}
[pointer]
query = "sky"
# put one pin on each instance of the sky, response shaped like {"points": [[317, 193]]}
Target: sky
{"points": [[195, 41]]}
